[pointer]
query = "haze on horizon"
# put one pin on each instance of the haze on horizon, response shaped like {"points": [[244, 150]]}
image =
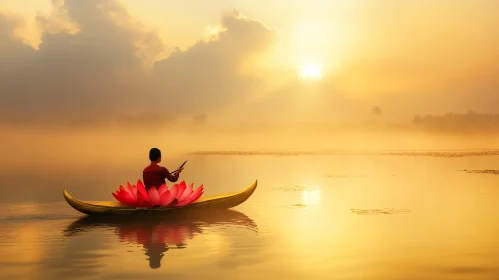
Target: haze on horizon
{"points": [[89, 64]]}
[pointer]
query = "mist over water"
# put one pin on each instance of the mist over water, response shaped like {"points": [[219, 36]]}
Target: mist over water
{"points": [[46, 145]]}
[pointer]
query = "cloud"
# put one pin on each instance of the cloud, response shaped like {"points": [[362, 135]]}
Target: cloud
{"points": [[96, 61], [207, 76], [97, 64]]}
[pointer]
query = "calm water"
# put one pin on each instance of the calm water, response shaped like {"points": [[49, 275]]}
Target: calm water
{"points": [[311, 217]]}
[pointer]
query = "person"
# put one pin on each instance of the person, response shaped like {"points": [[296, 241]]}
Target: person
{"points": [[155, 175]]}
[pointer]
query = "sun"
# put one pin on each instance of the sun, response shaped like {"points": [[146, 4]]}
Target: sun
{"points": [[310, 71]]}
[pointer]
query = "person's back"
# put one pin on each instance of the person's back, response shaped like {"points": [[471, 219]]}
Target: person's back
{"points": [[155, 175]]}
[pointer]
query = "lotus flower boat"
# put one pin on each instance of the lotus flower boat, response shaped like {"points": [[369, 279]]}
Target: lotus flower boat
{"points": [[134, 199], [179, 195]]}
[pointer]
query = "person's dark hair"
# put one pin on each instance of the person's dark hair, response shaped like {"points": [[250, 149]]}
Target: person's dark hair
{"points": [[154, 154]]}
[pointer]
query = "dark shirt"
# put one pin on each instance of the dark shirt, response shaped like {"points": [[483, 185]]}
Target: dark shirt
{"points": [[155, 175]]}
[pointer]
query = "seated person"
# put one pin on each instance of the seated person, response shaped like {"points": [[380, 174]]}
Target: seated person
{"points": [[155, 175]]}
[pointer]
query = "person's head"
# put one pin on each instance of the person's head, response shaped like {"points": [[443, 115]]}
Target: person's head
{"points": [[155, 155]]}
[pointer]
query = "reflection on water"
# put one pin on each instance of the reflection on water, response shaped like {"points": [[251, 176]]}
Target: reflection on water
{"points": [[343, 176], [158, 234]]}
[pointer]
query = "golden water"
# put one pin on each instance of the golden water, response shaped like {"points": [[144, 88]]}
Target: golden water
{"points": [[311, 217]]}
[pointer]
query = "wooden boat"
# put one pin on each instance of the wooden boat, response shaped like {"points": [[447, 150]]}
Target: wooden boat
{"points": [[116, 208]]}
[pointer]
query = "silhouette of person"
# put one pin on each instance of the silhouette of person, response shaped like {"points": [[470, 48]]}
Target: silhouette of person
{"points": [[155, 252]]}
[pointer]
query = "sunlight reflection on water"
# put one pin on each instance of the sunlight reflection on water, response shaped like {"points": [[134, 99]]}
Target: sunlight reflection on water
{"points": [[311, 196]]}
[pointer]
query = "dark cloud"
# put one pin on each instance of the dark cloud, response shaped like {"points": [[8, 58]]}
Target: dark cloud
{"points": [[93, 62]]}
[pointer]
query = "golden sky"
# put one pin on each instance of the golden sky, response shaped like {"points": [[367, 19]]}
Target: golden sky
{"points": [[293, 60]]}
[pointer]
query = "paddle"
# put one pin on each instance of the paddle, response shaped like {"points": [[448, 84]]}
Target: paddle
{"points": [[179, 167]]}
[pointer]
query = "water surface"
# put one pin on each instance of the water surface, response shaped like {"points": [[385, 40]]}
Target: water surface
{"points": [[312, 217]]}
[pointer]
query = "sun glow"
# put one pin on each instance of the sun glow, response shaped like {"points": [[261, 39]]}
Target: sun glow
{"points": [[312, 196], [312, 71]]}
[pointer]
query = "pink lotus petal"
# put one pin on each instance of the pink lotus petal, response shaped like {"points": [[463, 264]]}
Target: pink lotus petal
{"points": [[124, 197], [189, 202], [130, 191], [153, 196], [166, 198], [118, 198], [134, 191], [140, 184], [186, 194], [174, 190], [128, 199], [194, 192], [179, 195], [120, 193], [141, 202], [192, 198], [173, 203], [141, 192], [181, 189], [162, 189]]}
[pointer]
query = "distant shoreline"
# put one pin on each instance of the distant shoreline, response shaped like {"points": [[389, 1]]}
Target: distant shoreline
{"points": [[428, 153]]}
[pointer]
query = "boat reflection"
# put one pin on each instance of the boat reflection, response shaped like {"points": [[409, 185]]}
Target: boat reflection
{"points": [[158, 234]]}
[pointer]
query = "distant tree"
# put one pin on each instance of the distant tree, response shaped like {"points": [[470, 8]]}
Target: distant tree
{"points": [[377, 111], [470, 122]]}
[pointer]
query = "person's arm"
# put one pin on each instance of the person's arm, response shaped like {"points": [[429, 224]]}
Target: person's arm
{"points": [[170, 177]]}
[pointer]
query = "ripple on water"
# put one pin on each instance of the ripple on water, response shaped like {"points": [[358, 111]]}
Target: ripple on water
{"points": [[42, 217], [343, 176], [440, 153], [483, 171], [383, 211], [299, 205], [31, 211], [295, 189]]}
